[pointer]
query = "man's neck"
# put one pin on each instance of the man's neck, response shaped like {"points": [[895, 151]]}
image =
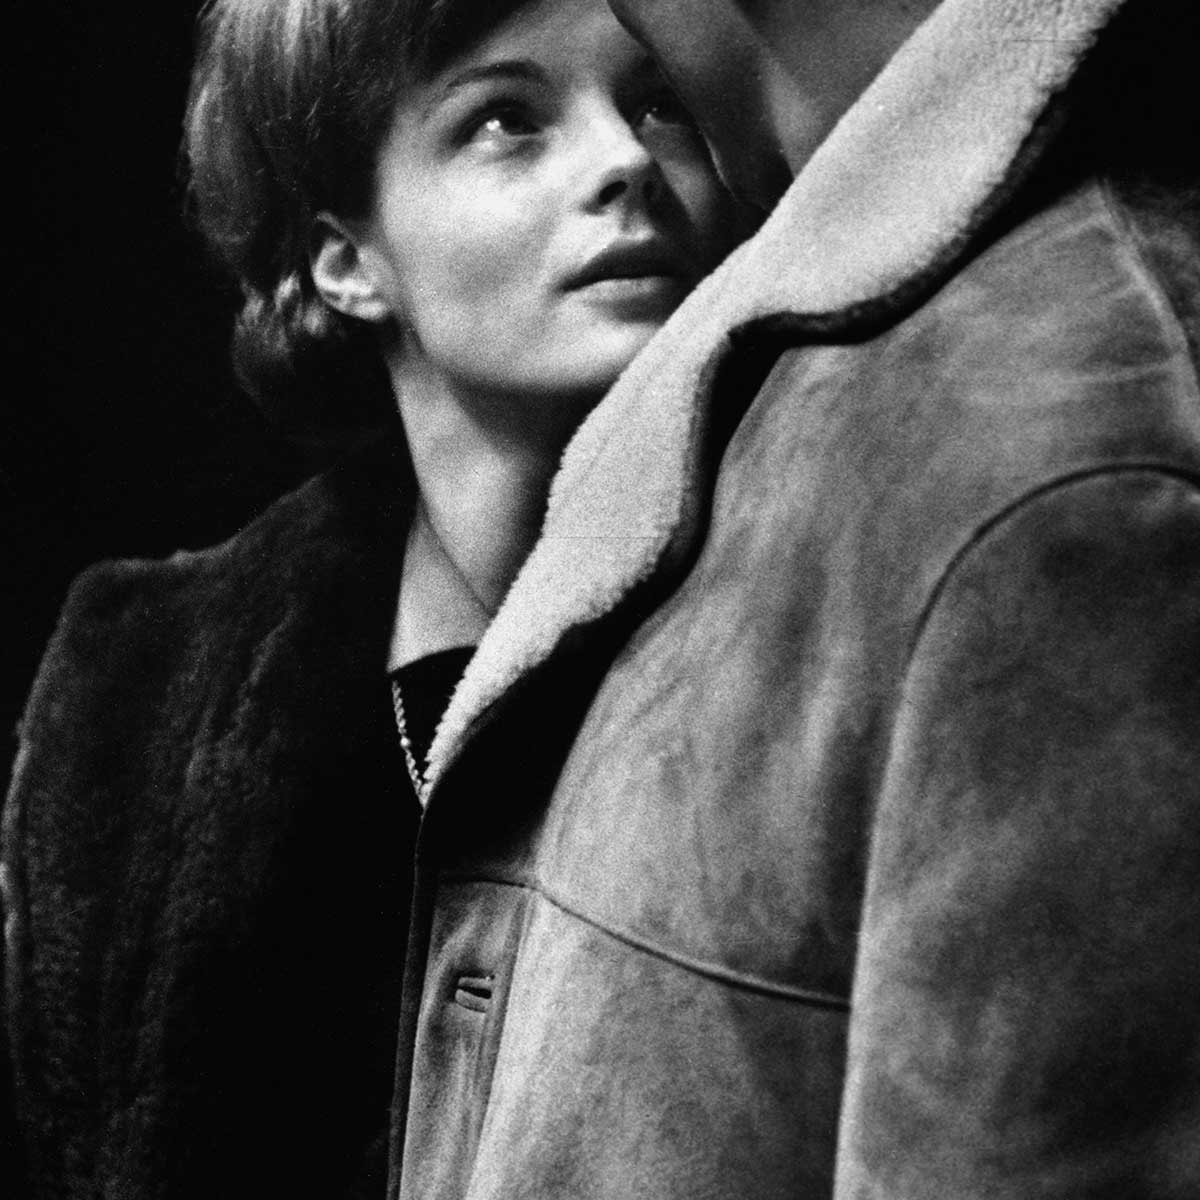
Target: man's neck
{"points": [[820, 58]]}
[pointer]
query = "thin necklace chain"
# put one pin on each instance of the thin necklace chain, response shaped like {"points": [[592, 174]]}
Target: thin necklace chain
{"points": [[415, 774]]}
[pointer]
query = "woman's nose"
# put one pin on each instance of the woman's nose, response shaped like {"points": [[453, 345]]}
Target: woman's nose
{"points": [[621, 169]]}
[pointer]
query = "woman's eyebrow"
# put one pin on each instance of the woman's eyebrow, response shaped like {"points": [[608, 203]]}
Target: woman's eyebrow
{"points": [[515, 68]]}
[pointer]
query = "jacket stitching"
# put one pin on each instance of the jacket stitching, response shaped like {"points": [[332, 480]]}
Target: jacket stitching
{"points": [[1002, 515], [713, 971], [1133, 242]]}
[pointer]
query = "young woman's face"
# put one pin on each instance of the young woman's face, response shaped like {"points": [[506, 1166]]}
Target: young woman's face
{"points": [[541, 206]]}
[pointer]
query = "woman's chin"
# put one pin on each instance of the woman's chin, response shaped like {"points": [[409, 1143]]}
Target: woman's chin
{"points": [[603, 354]]}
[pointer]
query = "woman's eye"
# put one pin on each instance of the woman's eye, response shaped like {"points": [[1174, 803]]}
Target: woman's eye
{"points": [[502, 122]]}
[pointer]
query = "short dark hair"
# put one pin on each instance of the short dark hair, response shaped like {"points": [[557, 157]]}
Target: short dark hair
{"points": [[289, 102]]}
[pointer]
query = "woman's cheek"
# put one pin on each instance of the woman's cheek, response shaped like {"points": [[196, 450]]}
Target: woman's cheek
{"points": [[476, 300], [492, 250]]}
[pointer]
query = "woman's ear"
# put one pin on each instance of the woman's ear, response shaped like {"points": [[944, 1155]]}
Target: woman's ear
{"points": [[341, 271]]}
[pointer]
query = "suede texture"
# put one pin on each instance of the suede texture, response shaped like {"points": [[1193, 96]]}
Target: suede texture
{"points": [[1024, 1022], [207, 884]]}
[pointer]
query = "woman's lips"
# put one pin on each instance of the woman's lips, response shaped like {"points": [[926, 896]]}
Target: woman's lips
{"points": [[638, 274], [653, 289]]}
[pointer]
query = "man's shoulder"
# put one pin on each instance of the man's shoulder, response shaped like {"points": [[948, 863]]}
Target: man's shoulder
{"points": [[1052, 354], [1071, 288], [1057, 347]]}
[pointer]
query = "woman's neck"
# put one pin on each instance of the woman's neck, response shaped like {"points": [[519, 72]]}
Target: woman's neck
{"points": [[483, 467]]}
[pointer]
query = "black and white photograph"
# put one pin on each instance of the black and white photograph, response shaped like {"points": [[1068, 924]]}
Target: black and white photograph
{"points": [[602, 601]]}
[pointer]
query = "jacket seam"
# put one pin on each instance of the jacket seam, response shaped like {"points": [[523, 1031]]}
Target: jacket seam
{"points": [[1002, 515], [1132, 240], [719, 974], [1128, 237]]}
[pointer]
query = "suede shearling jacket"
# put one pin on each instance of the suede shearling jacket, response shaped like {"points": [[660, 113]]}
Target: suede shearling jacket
{"points": [[820, 815]]}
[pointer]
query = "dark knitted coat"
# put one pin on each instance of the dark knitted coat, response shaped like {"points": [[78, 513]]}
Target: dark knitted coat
{"points": [[214, 835]]}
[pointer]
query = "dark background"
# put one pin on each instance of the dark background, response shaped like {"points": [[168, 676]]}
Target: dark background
{"points": [[123, 431]]}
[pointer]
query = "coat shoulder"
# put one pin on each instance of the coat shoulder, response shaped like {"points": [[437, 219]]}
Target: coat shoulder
{"points": [[1068, 303], [148, 645], [1055, 353], [121, 616], [119, 612]]}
